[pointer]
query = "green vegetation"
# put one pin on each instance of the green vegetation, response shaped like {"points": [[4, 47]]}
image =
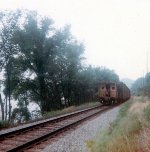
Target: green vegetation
{"points": [[69, 109], [141, 87], [42, 64], [147, 113], [22, 118], [129, 133], [4, 124]]}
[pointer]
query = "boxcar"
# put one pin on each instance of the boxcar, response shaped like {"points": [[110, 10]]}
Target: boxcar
{"points": [[113, 92]]}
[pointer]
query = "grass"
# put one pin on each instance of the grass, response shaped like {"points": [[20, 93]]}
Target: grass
{"points": [[129, 133], [69, 109], [147, 113]]}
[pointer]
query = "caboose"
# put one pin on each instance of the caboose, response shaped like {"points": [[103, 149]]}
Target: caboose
{"points": [[113, 92]]}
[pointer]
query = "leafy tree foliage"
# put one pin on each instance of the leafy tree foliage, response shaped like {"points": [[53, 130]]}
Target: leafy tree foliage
{"points": [[142, 86], [44, 65], [138, 86], [8, 24]]}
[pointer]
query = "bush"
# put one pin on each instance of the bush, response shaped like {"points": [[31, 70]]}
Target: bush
{"points": [[4, 124]]}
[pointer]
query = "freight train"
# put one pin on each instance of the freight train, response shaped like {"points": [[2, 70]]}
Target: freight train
{"points": [[113, 92]]}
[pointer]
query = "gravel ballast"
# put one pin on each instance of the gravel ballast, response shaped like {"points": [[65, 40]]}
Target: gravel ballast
{"points": [[76, 140]]}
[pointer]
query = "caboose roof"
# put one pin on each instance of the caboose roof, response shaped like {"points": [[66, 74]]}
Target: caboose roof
{"points": [[107, 82]]}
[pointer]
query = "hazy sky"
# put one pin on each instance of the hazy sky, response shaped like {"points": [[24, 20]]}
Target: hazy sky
{"points": [[116, 33]]}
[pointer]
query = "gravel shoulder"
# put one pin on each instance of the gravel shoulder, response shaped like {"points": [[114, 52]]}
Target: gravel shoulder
{"points": [[76, 140]]}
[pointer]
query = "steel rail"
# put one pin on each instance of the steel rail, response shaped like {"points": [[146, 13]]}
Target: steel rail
{"points": [[16, 130], [37, 140]]}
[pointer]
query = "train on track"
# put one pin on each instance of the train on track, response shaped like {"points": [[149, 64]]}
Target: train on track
{"points": [[113, 92]]}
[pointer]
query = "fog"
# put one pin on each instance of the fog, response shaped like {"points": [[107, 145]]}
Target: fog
{"points": [[116, 33]]}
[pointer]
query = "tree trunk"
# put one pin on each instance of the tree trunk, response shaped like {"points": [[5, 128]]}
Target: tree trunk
{"points": [[9, 91], [43, 94], [6, 108], [2, 107]]}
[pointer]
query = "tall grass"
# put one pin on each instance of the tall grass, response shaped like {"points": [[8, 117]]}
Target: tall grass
{"points": [[126, 134], [69, 109]]}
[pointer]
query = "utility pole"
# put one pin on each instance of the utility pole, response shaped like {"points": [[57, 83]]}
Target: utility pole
{"points": [[146, 77], [147, 62], [143, 80]]}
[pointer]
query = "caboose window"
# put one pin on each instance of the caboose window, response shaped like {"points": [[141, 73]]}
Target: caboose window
{"points": [[103, 87], [113, 88]]}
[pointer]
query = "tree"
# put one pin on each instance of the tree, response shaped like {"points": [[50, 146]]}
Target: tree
{"points": [[43, 64], [21, 113], [8, 24], [69, 55], [138, 86], [52, 56]]}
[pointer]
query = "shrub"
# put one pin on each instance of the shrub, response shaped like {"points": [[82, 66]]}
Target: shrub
{"points": [[4, 124]]}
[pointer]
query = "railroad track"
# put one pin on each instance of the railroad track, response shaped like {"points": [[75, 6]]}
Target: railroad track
{"points": [[27, 137]]}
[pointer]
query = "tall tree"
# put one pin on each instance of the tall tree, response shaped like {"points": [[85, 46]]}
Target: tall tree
{"points": [[8, 24], [44, 64], [49, 54]]}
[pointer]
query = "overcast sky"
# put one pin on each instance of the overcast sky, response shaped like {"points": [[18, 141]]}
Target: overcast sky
{"points": [[116, 33]]}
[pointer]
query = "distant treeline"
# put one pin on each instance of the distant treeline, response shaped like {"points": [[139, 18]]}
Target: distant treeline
{"points": [[142, 86], [43, 64]]}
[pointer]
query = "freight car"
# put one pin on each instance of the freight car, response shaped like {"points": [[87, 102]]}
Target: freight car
{"points": [[113, 92]]}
